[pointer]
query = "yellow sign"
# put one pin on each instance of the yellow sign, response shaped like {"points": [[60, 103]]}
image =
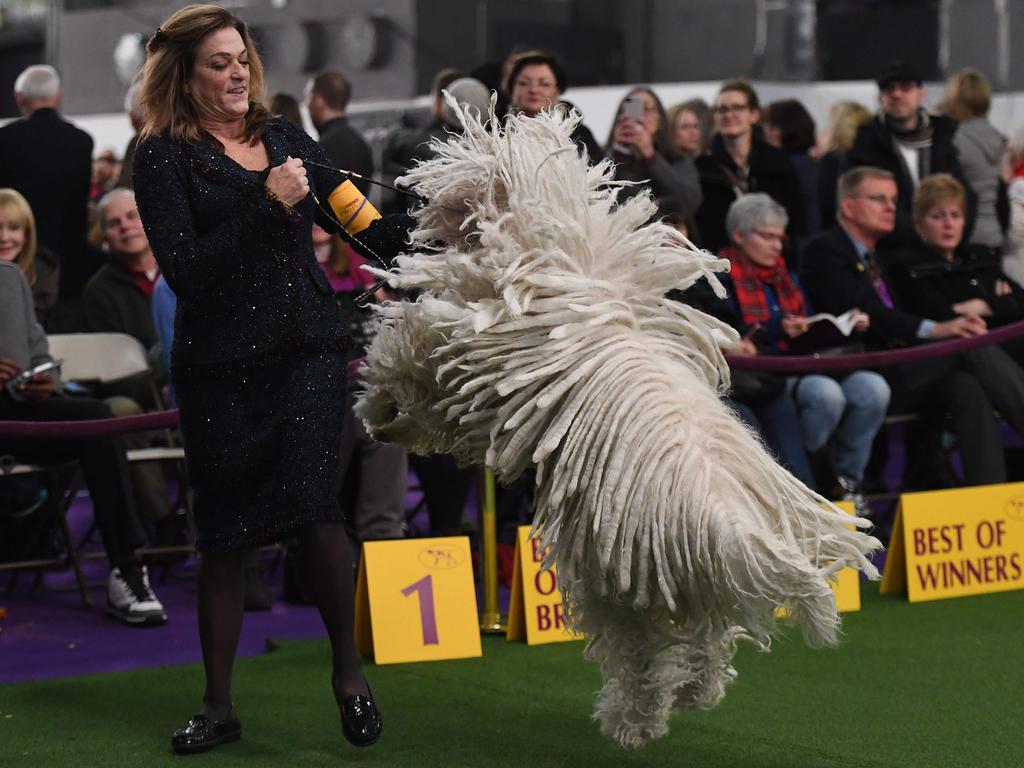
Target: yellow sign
{"points": [[847, 583], [967, 541], [535, 609], [415, 601]]}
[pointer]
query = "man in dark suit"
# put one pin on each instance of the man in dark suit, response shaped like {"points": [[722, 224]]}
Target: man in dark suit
{"points": [[49, 161], [841, 272], [910, 143], [327, 97]]}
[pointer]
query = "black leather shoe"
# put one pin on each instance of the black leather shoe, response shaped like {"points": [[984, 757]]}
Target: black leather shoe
{"points": [[201, 733], [360, 719]]}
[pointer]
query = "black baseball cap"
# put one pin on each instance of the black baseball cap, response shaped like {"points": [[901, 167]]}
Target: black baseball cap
{"points": [[898, 72]]}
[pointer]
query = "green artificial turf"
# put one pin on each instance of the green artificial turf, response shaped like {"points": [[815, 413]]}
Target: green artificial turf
{"points": [[930, 685]]}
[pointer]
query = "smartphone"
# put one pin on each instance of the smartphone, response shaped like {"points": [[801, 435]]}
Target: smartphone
{"points": [[632, 109], [28, 374]]}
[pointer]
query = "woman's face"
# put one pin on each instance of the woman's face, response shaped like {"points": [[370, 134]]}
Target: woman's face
{"points": [[733, 114], [219, 84], [12, 233], [687, 136], [942, 227], [535, 88], [763, 245]]}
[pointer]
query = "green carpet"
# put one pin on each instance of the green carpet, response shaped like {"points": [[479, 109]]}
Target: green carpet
{"points": [[936, 684]]}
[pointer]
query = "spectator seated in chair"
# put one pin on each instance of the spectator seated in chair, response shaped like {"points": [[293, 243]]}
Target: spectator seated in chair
{"points": [[841, 271], [104, 467]]}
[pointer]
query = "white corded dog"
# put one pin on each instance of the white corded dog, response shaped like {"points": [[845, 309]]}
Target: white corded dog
{"points": [[542, 337]]}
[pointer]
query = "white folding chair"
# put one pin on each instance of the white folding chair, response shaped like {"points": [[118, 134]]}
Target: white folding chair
{"points": [[108, 357]]}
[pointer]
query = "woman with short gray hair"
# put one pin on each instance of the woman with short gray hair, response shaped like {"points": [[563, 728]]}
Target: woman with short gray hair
{"points": [[838, 417]]}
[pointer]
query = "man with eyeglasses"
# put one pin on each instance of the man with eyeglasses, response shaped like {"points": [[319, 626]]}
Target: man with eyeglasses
{"points": [[840, 271], [910, 143], [741, 161]]}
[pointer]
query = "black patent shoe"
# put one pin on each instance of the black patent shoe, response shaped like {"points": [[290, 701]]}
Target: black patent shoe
{"points": [[201, 733], [360, 719]]}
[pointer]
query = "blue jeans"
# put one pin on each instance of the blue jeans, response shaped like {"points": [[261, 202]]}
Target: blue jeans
{"points": [[851, 410], [778, 424]]}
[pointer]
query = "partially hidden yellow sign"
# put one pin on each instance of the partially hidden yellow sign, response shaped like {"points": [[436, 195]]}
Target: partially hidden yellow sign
{"points": [[967, 541], [847, 582], [535, 609], [415, 601]]}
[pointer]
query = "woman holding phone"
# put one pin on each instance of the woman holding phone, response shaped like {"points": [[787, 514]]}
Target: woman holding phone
{"points": [[642, 151], [39, 397]]}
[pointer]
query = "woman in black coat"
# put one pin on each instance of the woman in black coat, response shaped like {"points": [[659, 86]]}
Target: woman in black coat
{"points": [[258, 364], [941, 277]]}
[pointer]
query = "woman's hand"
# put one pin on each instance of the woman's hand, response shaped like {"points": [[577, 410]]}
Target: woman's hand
{"points": [[38, 388], [8, 370], [633, 134], [793, 326], [862, 323], [1003, 288], [287, 182], [973, 307]]}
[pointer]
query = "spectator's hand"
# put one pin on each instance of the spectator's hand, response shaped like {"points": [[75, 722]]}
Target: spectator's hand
{"points": [[963, 327], [743, 348], [1003, 288], [863, 322], [633, 134], [793, 325], [38, 388], [287, 182], [976, 307], [8, 370]]}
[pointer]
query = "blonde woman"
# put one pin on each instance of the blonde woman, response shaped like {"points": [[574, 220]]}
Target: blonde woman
{"points": [[982, 149], [844, 119], [20, 245]]}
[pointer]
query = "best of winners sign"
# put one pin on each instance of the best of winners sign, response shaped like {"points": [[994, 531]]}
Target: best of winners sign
{"points": [[968, 541], [535, 608]]}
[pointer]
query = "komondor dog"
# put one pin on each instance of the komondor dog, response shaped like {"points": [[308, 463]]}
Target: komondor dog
{"points": [[542, 337]]}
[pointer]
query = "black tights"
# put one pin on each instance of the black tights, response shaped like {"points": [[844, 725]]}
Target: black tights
{"points": [[327, 562]]}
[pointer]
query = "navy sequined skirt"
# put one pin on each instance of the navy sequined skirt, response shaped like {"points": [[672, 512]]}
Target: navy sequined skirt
{"points": [[262, 449]]}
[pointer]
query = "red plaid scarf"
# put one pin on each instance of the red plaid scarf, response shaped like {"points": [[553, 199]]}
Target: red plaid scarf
{"points": [[749, 281]]}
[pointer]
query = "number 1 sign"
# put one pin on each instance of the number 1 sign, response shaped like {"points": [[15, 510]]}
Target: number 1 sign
{"points": [[415, 601]]}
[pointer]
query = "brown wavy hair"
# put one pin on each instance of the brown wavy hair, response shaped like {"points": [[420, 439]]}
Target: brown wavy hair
{"points": [[166, 107], [13, 201]]}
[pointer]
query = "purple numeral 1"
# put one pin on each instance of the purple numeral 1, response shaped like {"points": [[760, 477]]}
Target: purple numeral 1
{"points": [[428, 619]]}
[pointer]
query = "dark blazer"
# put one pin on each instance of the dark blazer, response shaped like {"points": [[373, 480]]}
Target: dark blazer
{"points": [[874, 145], [347, 149], [771, 171], [930, 286], [836, 280], [113, 303], [49, 161], [248, 285]]}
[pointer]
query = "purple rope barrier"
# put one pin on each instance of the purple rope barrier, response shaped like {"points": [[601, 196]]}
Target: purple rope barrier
{"points": [[90, 427], [816, 364], [112, 426], [774, 363]]}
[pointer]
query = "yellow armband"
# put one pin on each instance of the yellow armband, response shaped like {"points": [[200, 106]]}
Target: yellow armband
{"points": [[352, 208]]}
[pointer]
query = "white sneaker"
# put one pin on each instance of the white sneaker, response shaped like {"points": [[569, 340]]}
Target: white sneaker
{"points": [[130, 598]]}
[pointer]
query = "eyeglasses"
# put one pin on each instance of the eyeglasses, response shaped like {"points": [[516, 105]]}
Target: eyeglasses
{"points": [[726, 109], [881, 199], [771, 237]]}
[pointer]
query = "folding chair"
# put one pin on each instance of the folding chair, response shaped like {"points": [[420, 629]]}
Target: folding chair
{"points": [[55, 508], [108, 357]]}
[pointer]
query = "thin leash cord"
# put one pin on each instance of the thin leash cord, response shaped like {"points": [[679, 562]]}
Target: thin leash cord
{"points": [[354, 175]]}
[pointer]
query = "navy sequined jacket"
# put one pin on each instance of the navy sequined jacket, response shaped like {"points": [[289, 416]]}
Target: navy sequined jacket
{"points": [[248, 285]]}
